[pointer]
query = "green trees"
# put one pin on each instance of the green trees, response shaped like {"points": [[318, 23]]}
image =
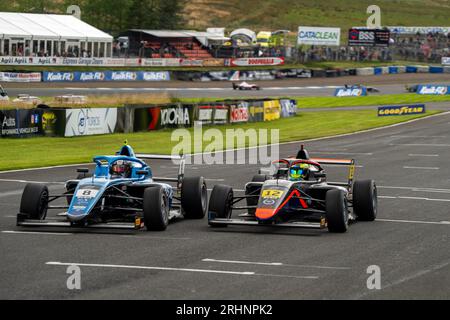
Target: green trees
{"points": [[112, 16]]}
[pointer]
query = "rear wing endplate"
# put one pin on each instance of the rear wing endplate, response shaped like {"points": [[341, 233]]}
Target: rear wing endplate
{"points": [[340, 162], [182, 164]]}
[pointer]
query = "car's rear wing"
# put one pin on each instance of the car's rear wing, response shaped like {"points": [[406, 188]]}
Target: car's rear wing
{"points": [[182, 164], [340, 162]]}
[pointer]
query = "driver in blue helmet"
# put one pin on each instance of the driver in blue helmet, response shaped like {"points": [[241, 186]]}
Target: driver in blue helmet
{"points": [[299, 172]]}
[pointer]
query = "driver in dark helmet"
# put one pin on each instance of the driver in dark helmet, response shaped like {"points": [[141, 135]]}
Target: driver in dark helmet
{"points": [[121, 168]]}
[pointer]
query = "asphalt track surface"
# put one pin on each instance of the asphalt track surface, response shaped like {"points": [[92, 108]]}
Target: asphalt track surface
{"points": [[387, 84], [409, 241]]}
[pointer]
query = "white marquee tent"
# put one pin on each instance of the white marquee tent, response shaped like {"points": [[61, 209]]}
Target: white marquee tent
{"points": [[27, 34]]}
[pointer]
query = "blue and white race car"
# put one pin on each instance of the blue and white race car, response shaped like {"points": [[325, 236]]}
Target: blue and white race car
{"points": [[121, 193]]}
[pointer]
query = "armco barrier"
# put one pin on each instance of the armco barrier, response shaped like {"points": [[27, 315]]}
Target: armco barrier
{"points": [[365, 71], [436, 69]]}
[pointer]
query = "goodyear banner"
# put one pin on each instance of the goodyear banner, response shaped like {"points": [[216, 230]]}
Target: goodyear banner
{"points": [[103, 76], [272, 110], [354, 91], [149, 118], [433, 89], [401, 110]]}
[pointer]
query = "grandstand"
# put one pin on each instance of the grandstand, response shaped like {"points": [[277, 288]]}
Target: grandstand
{"points": [[172, 44]]}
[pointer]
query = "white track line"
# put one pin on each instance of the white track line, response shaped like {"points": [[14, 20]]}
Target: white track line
{"points": [[421, 168], [415, 221], [409, 137], [416, 189], [414, 198], [420, 144], [30, 181], [278, 264], [37, 232], [118, 266], [422, 155]]}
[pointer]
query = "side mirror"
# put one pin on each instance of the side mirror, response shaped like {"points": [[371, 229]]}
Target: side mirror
{"points": [[83, 170], [319, 175], [283, 172], [141, 172]]}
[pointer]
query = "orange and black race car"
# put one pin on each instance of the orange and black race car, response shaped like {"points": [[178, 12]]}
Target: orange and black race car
{"points": [[296, 194]]}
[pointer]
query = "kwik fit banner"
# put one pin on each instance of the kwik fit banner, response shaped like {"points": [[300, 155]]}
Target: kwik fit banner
{"points": [[147, 118], [103, 76], [432, 89], [354, 91]]}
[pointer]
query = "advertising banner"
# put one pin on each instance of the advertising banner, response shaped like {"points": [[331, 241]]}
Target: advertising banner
{"points": [[446, 61], [103, 76], [319, 36], [354, 91], [239, 112], [21, 122], [160, 62], [20, 77], [90, 121], [272, 110], [401, 110], [53, 122], [60, 61], [368, 37], [212, 113], [148, 118], [432, 89], [288, 108], [255, 111], [245, 62]]}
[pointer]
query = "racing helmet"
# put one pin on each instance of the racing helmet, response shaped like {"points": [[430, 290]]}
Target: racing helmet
{"points": [[121, 168], [299, 172]]}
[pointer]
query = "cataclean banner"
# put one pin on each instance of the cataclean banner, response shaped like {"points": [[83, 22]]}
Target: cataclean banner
{"points": [[272, 110]]}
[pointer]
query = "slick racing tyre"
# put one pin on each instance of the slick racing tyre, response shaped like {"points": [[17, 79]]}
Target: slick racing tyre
{"points": [[156, 209], [365, 201], [194, 197], [336, 211], [220, 203], [34, 202]]}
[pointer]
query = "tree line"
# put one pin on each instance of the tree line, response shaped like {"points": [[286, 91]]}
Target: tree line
{"points": [[112, 16]]}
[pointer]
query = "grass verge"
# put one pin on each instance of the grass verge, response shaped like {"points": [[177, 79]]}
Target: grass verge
{"points": [[46, 151]]}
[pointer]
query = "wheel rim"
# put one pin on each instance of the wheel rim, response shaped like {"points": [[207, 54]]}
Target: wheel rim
{"points": [[204, 196], [374, 200], [43, 204], [229, 204], [345, 212], [165, 214]]}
